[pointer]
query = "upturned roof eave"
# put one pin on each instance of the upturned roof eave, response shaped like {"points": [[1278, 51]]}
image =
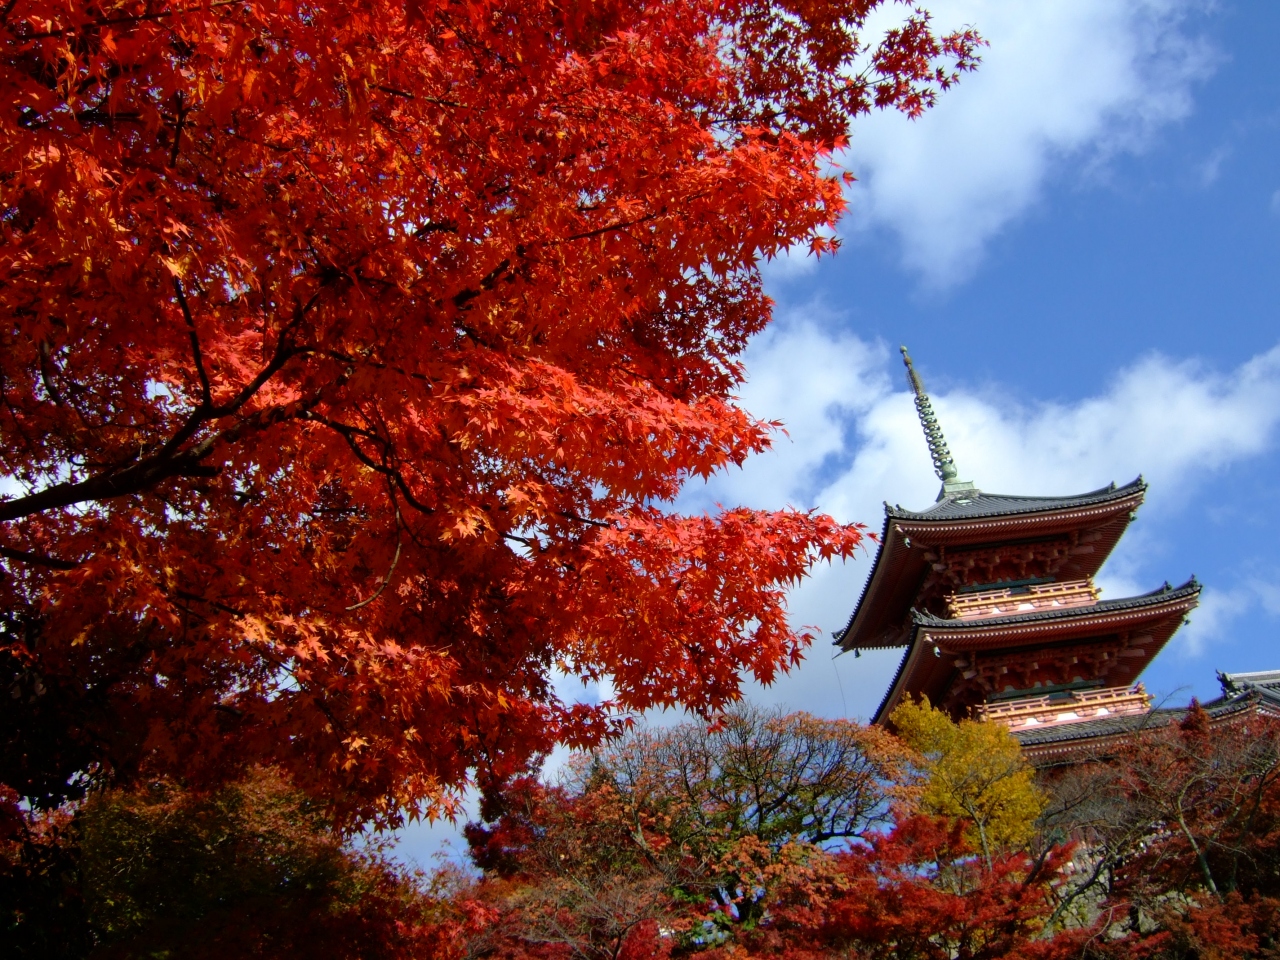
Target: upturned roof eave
{"points": [[1148, 604], [893, 551], [868, 586], [994, 506], [1157, 605]]}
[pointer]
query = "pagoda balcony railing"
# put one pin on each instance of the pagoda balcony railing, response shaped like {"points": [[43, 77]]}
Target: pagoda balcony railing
{"points": [[1007, 601], [1073, 707]]}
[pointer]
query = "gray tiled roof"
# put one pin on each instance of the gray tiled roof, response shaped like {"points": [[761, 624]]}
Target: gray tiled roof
{"points": [[1166, 592], [975, 505], [1265, 681], [1265, 692]]}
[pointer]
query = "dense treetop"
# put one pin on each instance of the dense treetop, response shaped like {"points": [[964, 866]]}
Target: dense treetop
{"points": [[356, 350], [1162, 846]]}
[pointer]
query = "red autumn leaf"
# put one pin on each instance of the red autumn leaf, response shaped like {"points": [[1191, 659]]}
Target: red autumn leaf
{"points": [[354, 350]]}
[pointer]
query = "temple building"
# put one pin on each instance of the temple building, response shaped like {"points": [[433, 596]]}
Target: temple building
{"points": [[992, 599]]}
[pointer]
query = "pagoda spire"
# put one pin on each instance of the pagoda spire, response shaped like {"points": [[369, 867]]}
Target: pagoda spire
{"points": [[943, 463]]}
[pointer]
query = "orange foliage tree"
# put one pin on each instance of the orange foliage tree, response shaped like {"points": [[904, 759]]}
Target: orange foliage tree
{"points": [[356, 350], [683, 828]]}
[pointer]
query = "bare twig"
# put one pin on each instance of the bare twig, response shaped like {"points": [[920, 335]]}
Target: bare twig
{"points": [[206, 395], [612, 227], [587, 520], [177, 135], [392, 569]]}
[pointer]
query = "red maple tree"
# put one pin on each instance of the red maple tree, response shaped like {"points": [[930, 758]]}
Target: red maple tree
{"points": [[355, 354], [1179, 830]]}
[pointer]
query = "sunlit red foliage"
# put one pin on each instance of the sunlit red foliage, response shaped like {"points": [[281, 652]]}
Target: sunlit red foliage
{"points": [[921, 891], [354, 349]]}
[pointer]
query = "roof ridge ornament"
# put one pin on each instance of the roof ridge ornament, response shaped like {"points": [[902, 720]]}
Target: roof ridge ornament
{"points": [[944, 464]]}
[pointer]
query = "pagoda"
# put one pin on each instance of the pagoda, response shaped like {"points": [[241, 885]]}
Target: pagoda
{"points": [[992, 599]]}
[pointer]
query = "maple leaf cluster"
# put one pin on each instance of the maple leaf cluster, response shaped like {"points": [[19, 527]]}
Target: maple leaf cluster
{"points": [[356, 351]]}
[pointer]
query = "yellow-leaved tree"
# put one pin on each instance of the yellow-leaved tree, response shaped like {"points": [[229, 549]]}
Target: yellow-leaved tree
{"points": [[972, 770]]}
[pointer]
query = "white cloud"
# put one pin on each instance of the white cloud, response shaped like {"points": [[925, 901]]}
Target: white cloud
{"points": [[816, 382], [855, 441], [1211, 620], [1222, 612], [1064, 85], [1268, 595]]}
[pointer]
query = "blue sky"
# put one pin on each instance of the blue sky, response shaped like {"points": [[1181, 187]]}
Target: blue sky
{"points": [[1081, 246]]}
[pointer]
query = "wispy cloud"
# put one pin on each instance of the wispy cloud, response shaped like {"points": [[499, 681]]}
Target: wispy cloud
{"points": [[1210, 622], [1222, 613], [853, 438], [1210, 170], [1064, 85]]}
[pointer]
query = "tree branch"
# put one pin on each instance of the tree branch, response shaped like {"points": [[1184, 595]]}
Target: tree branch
{"points": [[350, 434], [462, 298], [139, 18], [206, 395], [171, 460], [46, 374], [610, 228], [392, 569], [147, 472], [37, 559], [587, 520]]}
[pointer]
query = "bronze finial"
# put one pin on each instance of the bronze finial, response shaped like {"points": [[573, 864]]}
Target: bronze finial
{"points": [[943, 464]]}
